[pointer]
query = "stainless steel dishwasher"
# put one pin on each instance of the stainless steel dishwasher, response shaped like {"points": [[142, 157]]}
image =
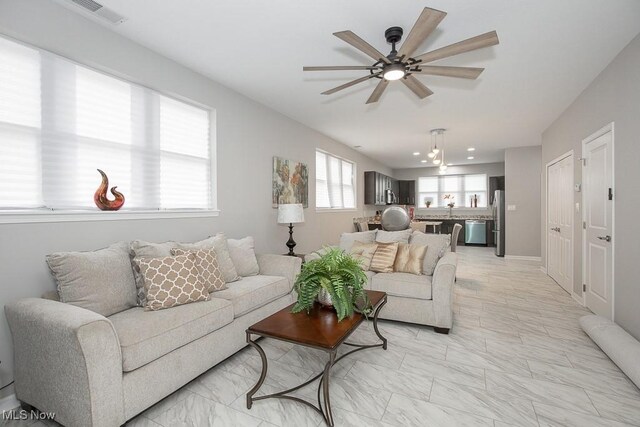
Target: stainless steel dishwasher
{"points": [[475, 232]]}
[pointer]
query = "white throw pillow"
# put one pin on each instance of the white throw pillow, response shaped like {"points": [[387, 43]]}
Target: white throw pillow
{"points": [[437, 245], [347, 239], [393, 236], [219, 244], [243, 256]]}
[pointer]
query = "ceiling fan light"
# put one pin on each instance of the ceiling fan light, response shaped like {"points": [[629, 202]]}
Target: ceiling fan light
{"points": [[436, 150], [443, 167], [394, 72], [431, 155], [436, 161]]}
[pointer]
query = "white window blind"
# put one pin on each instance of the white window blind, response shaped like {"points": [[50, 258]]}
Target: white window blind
{"points": [[59, 122], [461, 187], [335, 182]]}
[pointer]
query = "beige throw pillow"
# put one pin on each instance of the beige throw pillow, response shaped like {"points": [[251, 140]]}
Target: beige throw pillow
{"points": [[243, 256], [384, 257], [364, 253], [140, 249], [171, 281], [101, 281], [219, 244], [409, 258], [437, 245], [208, 269]]}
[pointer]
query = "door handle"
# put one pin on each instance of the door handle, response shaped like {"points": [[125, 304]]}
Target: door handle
{"points": [[605, 238], [556, 229]]}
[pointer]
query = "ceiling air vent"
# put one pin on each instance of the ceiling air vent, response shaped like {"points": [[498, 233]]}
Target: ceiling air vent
{"points": [[96, 9]]}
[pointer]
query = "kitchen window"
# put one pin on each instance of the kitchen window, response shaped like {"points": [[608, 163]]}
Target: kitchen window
{"points": [[335, 182], [461, 189], [60, 121]]}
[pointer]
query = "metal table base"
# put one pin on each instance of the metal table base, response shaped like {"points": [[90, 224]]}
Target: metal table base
{"points": [[324, 403]]}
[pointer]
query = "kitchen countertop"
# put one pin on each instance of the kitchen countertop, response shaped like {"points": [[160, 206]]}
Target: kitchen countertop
{"points": [[435, 217]]}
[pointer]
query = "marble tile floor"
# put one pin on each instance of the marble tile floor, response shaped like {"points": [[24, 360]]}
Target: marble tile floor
{"points": [[516, 356]]}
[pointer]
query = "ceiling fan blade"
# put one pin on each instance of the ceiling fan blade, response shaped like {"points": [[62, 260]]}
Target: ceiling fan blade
{"points": [[416, 87], [349, 84], [340, 68], [461, 72], [361, 45], [377, 92], [477, 42], [424, 26]]}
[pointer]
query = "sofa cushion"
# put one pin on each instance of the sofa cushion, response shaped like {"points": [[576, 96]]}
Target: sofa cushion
{"points": [[384, 257], [171, 281], [254, 291], [393, 236], [410, 258], [347, 239], [403, 285], [243, 256], [148, 335], [101, 281], [437, 245], [208, 268]]}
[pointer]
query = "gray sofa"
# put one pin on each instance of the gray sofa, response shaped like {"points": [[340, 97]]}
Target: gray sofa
{"points": [[101, 371], [424, 299]]}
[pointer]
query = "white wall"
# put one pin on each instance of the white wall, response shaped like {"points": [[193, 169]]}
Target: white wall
{"points": [[522, 189], [614, 96], [491, 169], [248, 135]]}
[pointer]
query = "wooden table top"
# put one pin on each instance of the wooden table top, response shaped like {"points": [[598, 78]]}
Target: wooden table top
{"points": [[320, 328]]}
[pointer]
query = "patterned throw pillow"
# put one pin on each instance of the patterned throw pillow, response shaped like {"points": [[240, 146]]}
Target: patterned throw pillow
{"points": [[208, 269], [410, 258], [384, 257], [171, 281], [364, 253]]}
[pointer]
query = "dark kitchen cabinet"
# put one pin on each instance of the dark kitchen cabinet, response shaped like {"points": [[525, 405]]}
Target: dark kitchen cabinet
{"points": [[406, 192], [495, 183], [376, 185], [447, 228]]}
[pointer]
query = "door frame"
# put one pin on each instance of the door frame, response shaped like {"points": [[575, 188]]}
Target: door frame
{"points": [[602, 131], [546, 218]]}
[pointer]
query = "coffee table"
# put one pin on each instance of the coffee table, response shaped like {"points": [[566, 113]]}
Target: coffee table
{"points": [[321, 330]]}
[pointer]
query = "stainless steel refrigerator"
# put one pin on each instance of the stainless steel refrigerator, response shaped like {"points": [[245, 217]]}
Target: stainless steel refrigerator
{"points": [[498, 221]]}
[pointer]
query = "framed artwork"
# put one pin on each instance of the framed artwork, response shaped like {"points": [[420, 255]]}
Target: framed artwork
{"points": [[290, 183]]}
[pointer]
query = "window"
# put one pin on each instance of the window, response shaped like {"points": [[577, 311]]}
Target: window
{"points": [[335, 182], [462, 188], [59, 122]]}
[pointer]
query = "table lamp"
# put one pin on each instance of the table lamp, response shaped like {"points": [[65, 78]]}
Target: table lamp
{"points": [[290, 214]]}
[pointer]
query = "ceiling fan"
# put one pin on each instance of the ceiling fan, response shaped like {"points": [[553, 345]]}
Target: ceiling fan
{"points": [[402, 65]]}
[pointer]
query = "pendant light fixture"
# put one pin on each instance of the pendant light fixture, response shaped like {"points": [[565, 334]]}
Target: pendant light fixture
{"points": [[437, 153]]}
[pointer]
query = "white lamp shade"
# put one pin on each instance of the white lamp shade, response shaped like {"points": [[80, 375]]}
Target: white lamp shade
{"points": [[290, 213]]}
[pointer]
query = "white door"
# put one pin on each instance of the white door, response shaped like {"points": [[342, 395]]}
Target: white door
{"points": [[560, 222], [598, 230]]}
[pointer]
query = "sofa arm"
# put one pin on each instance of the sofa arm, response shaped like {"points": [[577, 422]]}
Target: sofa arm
{"points": [[442, 288], [317, 254], [280, 265], [67, 361]]}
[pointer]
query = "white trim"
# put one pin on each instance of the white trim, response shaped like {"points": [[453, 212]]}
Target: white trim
{"points": [[8, 403], [326, 210], [546, 215], [602, 131], [16, 217], [524, 258], [578, 299], [543, 269]]}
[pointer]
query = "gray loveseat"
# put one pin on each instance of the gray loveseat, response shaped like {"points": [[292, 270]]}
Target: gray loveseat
{"points": [[424, 299], [93, 370]]}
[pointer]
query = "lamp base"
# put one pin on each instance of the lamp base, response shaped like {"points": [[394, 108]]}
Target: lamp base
{"points": [[291, 243]]}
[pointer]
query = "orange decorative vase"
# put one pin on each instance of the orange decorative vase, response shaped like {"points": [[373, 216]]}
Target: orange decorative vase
{"points": [[100, 196]]}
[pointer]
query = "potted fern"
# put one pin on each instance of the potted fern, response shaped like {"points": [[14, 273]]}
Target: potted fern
{"points": [[335, 279]]}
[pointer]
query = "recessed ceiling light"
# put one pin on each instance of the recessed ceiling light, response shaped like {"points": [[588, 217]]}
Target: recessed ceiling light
{"points": [[423, 161], [470, 158], [471, 149], [416, 153]]}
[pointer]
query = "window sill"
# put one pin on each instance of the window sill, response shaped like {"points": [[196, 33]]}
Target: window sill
{"points": [[320, 210], [20, 217]]}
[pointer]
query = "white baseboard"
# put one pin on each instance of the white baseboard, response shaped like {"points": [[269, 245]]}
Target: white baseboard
{"points": [[523, 258], [8, 403], [543, 269]]}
